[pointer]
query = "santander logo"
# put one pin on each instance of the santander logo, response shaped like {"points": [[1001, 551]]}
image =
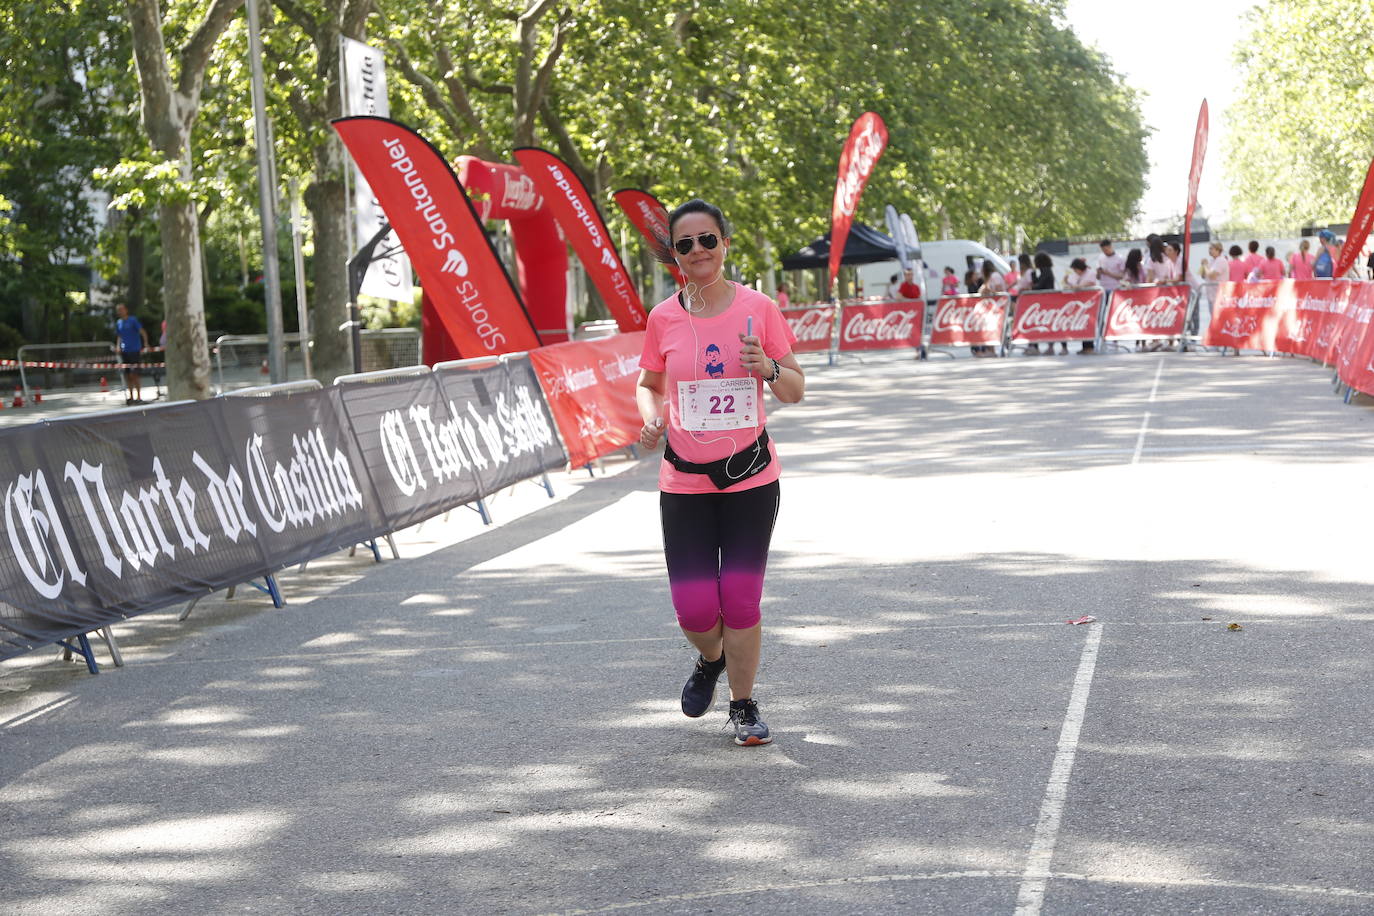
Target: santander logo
{"points": [[1076, 316], [895, 325], [1162, 314]]}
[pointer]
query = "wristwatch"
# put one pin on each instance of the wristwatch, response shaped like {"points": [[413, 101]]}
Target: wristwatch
{"points": [[777, 373]]}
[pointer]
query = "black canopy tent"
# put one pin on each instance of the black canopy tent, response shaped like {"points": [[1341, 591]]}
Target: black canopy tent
{"points": [[865, 245]]}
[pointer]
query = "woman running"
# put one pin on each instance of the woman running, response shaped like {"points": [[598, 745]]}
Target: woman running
{"points": [[719, 474]]}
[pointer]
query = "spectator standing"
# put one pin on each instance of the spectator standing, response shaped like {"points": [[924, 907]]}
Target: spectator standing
{"points": [[1254, 259], [993, 284], [1025, 275], [949, 284], [1012, 276], [1236, 267], [1155, 270], [784, 300], [132, 340], [1172, 271], [1111, 267], [1081, 277], [1043, 279], [1216, 269], [1133, 272], [909, 288], [1271, 268], [1325, 262], [972, 281], [1300, 261]]}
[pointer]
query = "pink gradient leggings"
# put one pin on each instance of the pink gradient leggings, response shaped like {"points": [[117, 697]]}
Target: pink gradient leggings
{"points": [[716, 545]]}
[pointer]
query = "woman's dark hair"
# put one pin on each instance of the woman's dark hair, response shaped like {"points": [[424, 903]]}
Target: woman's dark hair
{"points": [[1269, 251], [1175, 246], [663, 248], [1042, 261], [1235, 251], [1156, 248], [1078, 264], [1133, 259], [1024, 260], [989, 268]]}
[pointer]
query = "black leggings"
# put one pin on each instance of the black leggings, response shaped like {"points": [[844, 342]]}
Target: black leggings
{"points": [[716, 545]]}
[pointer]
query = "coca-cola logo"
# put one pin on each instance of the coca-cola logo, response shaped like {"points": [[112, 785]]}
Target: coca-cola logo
{"points": [[969, 316], [811, 325], [1162, 314], [867, 146], [1075, 316], [894, 326]]}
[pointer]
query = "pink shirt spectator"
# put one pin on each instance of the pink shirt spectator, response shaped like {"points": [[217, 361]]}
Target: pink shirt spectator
{"points": [[687, 348], [1301, 264], [1271, 269], [783, 299], [1012, 276], [1238, 270], [1252, 262], [1114, 263]]}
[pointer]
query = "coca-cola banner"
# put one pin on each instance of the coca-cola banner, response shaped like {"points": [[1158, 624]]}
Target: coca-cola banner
{"points": [[429, 211], [650, 217], [503, 421], [590, 387], [1056, 316], [813, 326], [881, 325], [867, 140], [1359, 226], [585, 230], [969, 321], [1147, 312]]}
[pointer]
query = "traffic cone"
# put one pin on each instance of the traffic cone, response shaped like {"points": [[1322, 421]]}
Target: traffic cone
{"points": [[104, 385], [38, 395], [265, 370], [18, 397]]}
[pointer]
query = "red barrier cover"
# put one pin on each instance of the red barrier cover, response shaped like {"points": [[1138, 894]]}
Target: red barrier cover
{"points": [[974, 321], [1146, 313], [590, 387], [813, 325], [881, 325], [585, 230], [1246, 315], [1057, 316], [439, 228]]}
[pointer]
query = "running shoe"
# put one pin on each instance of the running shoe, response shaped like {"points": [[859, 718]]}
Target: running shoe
{"points": [[750, 730], [700, 688]]}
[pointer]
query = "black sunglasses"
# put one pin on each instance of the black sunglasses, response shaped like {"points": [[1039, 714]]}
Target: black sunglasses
{"points": [[708, 241]]}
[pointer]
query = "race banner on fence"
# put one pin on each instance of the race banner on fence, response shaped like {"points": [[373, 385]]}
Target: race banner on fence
{"points": [[969, 321], [113, 514], [1146, 313], [419, 451], [881, 325], [585, 230], [813, 326], [590, 388], [504, 422], [1248, 316], [1056, 316]]}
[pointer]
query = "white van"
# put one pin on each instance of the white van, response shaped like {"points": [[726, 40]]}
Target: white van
{"points": [[961, 254]]}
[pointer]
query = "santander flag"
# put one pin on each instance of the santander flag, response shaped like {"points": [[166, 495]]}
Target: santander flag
{"points": [[434, 219], [867, 140], [1359, 226], [1194, 177], [585, 230], [650, 217]]}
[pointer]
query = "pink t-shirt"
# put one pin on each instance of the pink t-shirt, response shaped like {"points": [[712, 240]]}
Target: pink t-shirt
{"points": [[1252, 261], [1271, 269], [686, 349], [1302, 265], [1238, 270]]}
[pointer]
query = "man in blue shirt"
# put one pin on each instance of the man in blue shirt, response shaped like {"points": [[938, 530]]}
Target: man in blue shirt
{"points": [[132, 340], [1325, 264]]}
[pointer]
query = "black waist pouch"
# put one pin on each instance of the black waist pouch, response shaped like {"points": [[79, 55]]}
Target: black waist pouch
{"points": [[726, 472]]}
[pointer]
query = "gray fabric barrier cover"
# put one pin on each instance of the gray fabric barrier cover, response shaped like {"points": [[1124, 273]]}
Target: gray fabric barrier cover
{"points": [[111, 515]]}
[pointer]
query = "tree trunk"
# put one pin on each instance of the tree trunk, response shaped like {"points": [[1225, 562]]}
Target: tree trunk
{"points": [[332, 354], [188, 351], [135, 265]]}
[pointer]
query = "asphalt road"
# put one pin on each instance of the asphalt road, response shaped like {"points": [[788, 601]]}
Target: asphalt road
{"points": [[490, 724]]}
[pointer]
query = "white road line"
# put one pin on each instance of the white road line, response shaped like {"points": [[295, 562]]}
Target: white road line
{"points": [[40, 711], [1145, 423], [1031, 895]]}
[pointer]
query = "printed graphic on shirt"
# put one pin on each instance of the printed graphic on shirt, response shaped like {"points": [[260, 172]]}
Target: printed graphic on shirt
{"points": [[714, 361]]}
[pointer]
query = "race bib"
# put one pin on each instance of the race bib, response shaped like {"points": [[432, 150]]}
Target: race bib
{"points": [[718, 403]]}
